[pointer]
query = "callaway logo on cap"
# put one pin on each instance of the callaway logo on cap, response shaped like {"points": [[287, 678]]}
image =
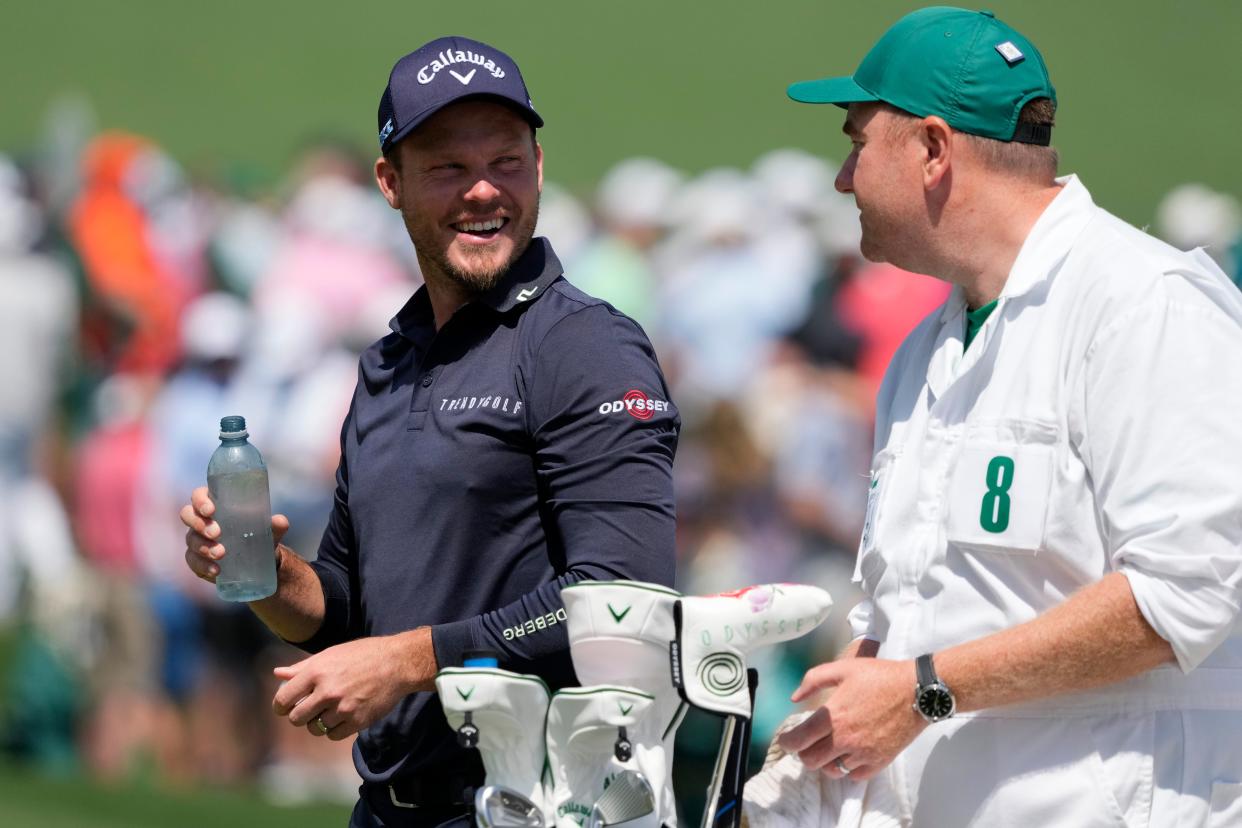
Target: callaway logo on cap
{"points": [[442, 72], [445, 59], [964, 66]]}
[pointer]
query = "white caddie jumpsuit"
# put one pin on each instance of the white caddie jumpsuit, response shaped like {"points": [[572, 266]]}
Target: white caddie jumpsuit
{"points": [[1094, 425]]}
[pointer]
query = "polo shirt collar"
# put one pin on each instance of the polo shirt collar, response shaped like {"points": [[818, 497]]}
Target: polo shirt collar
{"points": [[415, 316], [534, 270], [529, 276]]}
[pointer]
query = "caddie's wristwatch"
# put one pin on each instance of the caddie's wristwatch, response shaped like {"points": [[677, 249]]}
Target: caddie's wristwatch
{"points": [[932, 697]]}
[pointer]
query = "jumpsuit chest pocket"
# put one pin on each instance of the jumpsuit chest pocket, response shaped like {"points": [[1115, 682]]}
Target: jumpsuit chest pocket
{"points": [[1000, 487]]}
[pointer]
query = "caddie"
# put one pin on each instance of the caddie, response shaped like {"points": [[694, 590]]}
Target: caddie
{"points": [[509, 436], [1052, 553]]}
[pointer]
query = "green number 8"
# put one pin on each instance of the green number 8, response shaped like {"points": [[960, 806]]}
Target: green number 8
{"points": [[994, 511]]}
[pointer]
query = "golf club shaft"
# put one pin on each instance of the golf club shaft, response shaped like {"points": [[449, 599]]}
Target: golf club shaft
{"points": [[718, 772], [724, 799]]}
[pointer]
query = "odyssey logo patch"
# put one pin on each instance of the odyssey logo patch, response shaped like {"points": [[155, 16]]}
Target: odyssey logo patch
{"points": [[637, 404]]}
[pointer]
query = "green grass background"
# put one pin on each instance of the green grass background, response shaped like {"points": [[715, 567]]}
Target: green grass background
{"points": [[1147, 87], [31, 801]]}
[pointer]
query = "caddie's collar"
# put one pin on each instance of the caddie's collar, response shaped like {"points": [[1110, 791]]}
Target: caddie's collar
{"points": [[1050, 240], [1046, 246]]}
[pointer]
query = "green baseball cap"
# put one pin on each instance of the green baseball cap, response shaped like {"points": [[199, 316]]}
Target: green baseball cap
{"points": [[965, 66]]}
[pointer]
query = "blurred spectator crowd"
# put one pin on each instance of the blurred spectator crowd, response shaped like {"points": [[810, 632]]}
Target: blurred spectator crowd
{"points": [[141, 304]]}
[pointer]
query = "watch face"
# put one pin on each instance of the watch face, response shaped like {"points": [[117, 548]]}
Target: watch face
{"points": [[935, 702]]}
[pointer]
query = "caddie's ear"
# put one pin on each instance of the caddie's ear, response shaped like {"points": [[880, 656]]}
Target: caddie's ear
{"points": [[936, 137], [389, 181]]}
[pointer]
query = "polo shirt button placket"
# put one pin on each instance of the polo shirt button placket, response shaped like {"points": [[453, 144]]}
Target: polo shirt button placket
{"points": [[419, 404]]}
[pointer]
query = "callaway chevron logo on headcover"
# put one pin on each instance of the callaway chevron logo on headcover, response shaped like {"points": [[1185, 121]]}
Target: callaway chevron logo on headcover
{"points": [[619, 633], [592, 735], [497, 707]]}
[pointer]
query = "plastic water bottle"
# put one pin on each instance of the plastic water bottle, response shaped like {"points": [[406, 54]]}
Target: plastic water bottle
{"points": [[237, 482]]}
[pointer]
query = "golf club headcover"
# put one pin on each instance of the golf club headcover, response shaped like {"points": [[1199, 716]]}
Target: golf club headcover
{"points": [[619, 634], [592, 735], [715, 633], [502, 714]]}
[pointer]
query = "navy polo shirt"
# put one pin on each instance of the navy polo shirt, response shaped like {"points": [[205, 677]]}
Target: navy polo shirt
{"points": [[526, 445]]}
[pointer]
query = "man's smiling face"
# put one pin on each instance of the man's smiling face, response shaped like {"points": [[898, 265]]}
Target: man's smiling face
{"points": [[468, 189]]}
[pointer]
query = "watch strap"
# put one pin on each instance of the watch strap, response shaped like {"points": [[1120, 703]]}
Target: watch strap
{"points": [[925, 671]]}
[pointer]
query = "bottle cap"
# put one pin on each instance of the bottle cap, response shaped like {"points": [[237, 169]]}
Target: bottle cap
{"points": [[480, 658], [233, 427]]}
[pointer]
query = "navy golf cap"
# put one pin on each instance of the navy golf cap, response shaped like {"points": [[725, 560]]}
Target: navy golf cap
{"points": [[444, 71]]}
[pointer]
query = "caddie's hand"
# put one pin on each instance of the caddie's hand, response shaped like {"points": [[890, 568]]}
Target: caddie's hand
{"points": [[202, 537], [867, 720], [346, 688]]}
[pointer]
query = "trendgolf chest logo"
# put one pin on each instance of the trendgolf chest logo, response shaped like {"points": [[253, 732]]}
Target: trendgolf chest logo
{"points": [[449, 58], [637, 404], [490, 402]]}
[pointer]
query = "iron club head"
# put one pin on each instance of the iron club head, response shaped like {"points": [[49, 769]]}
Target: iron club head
{"points": [[497, 807], [628, 797]]}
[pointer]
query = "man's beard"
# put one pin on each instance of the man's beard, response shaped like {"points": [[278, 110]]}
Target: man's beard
{"points": [[482, 278]]}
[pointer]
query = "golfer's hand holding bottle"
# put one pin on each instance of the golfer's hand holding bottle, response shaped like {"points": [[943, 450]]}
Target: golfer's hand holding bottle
{"points": [[237, 486]]}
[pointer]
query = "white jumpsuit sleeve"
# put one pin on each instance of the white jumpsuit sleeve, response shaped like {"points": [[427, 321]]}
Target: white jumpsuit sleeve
{"points": [[1161, 397]]}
